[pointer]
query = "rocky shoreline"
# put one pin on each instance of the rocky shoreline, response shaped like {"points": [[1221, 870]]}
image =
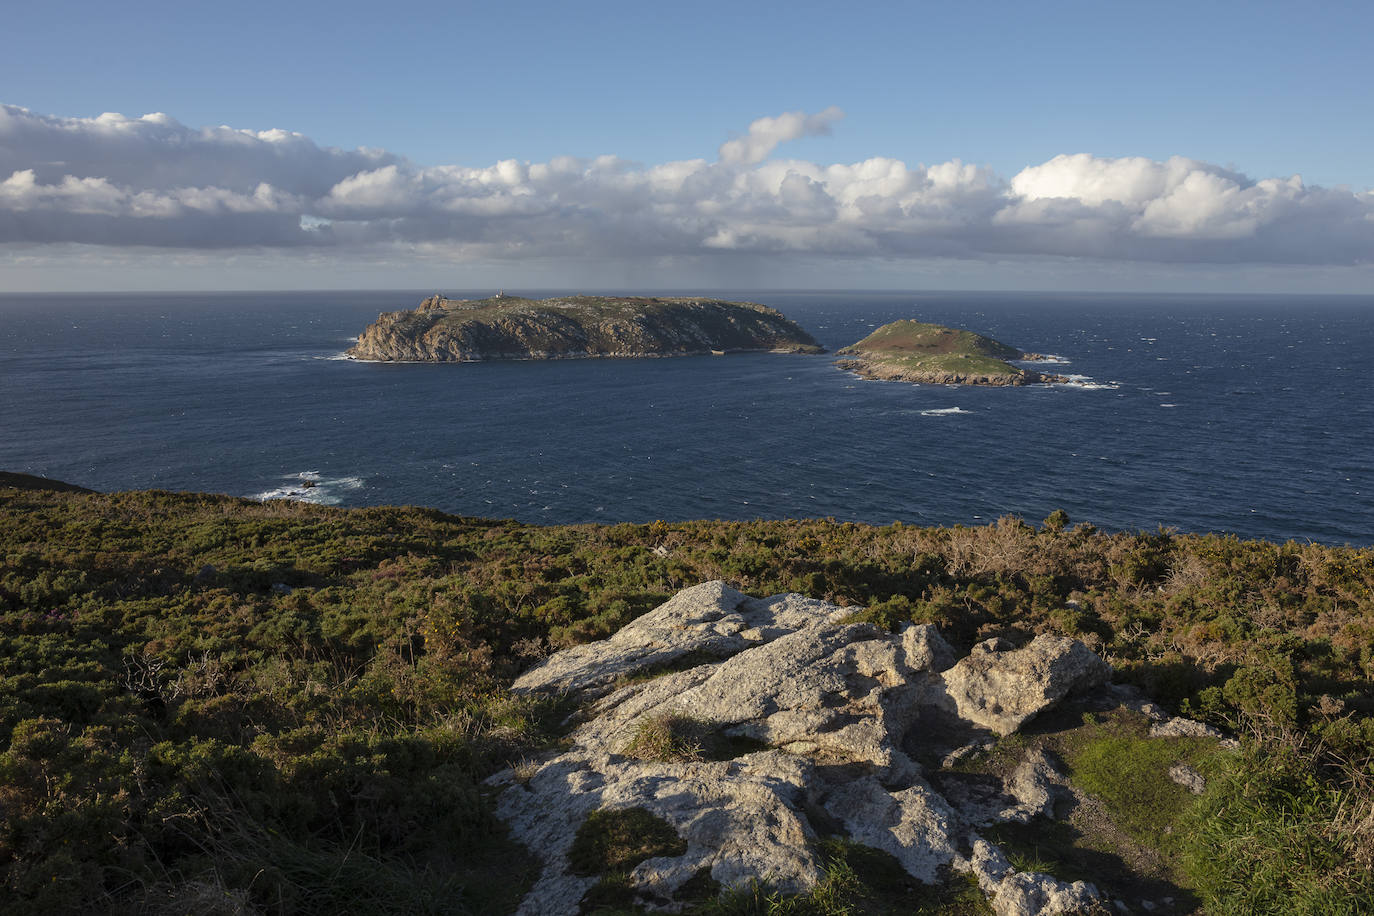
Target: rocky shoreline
{"points": [[881, 370]]}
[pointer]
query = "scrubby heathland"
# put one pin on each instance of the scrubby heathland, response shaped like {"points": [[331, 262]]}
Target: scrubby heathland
{"points": [[215, 705]]}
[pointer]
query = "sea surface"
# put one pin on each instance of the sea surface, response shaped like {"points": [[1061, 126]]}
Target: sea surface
{"points": [[1242, 414]]}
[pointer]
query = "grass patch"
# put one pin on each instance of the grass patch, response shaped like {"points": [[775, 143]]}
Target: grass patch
{"points": [[616, 840], [1049, 847], [1274, 834], [673, 737], [609, 844], [954, 363], [1038, 847], [668, 737], [1129, 772], [858, 881]]}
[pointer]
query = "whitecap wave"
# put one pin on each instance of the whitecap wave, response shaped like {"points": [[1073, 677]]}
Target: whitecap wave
{"points": [[1087, 383], [943, 411], [311, 487], [1046, 359]]}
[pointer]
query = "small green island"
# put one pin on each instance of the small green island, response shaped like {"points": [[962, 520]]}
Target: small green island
{"points": [[914, 351], [511, 327]]}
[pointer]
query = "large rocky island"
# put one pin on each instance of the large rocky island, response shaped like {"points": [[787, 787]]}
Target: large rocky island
{"points": [[511, 327], [914, 351]]}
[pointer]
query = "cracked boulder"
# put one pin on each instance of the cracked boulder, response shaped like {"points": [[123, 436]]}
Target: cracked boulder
{"points": [[1000, 687], [752, 727]]}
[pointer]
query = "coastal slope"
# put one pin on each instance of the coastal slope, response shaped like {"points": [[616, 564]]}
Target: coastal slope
{"points": [[511, 327], [914, 351]]}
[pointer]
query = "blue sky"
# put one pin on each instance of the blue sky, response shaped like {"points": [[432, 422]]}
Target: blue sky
{"points": [[1253, 91]]}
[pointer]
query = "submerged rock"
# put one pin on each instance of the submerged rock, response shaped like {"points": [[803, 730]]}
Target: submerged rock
{"points": [[796, 724]]}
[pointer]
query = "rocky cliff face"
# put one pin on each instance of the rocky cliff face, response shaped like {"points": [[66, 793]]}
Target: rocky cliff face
{"points": [[505, 327], [774, 721]]}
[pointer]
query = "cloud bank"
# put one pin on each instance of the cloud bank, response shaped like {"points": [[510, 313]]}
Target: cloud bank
{"points": [[151, 181]]}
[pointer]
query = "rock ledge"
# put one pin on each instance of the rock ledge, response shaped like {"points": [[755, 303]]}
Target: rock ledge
{"points": [[813, 723]]}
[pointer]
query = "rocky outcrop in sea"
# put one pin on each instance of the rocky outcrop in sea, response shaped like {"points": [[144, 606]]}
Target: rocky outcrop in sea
{"points": [[931, 354]]}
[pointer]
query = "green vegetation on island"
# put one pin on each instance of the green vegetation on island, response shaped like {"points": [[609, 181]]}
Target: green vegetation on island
{"points": [[510, 327], [213, 705], [914, 351]]}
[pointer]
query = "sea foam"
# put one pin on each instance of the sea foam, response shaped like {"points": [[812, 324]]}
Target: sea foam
{"points": [[311, 487]]}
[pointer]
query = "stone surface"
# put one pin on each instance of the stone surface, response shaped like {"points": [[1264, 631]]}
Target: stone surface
{"points": [[710, 619], [816, 717], [1188, 777], [740, 820], [1035, 785], [1000, 688], [1014, 893], [1179, 727], [915, 824]]}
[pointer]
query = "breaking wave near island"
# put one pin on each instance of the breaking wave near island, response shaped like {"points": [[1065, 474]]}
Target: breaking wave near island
{"points": [[1087, 383], [312, 487]]}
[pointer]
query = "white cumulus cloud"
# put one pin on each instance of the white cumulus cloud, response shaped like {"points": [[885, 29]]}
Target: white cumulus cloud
{"points": [[151, 181], [766, 133]]}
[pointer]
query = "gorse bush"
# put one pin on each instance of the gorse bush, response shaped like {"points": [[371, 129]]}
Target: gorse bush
{"points": [[203, 697]]}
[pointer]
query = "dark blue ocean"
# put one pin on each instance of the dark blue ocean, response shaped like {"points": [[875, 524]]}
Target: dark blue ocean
{"points": [[1243, 414]]}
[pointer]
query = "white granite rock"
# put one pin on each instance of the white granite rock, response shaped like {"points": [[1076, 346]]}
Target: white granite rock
{"points": [[1034, 784], [1179, 727], [1000, 688], [1022, 893], [834, 702], [709, 619], [1188, 777], [914, 824]]}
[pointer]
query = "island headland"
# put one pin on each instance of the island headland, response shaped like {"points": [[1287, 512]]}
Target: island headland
{"points": [[572, 327], [932, 354]]}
